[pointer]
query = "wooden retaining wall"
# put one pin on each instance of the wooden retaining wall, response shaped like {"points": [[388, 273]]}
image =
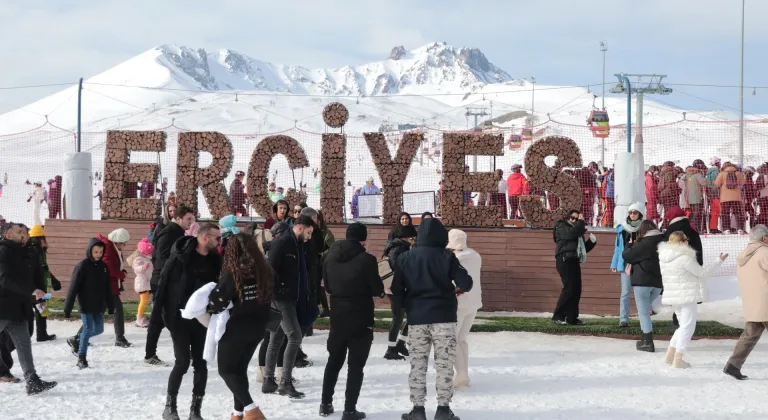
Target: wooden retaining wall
{"points": [[518, 264]]}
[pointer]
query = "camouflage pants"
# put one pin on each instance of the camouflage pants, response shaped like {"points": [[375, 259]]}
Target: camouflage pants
{"points": [[421, 338]]}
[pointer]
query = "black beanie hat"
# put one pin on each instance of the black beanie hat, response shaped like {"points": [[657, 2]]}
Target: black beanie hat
{"points": [[357, 232], [408, 231]]}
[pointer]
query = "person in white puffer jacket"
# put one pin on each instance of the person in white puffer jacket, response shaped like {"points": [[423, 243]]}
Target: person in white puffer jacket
{"points": [[684, 286], [469, 303]]}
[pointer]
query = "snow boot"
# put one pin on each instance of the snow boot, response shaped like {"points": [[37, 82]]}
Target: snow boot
{"points": [[646, 343], [269, 386], [679, 363], [122, 342], [254, 414], [194, 408], [74, 345], [279, 374], [326, 409], [35, 385], [286, 388], [670, 357], [401, 348], [170, 412], [81, 362], [392, 354], [352, 415], [444, 413], [260, 375], [418, 413], [9, 379], [733, 371]]}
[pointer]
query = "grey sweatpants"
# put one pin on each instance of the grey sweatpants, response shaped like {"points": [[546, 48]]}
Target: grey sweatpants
{"points": [[19, 332], [289, 327], [421, 338]]}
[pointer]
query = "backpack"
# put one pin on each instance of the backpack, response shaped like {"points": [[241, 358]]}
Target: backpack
{"points": [[731, 181]]}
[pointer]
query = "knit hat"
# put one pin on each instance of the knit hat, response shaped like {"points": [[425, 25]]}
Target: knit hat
{"points": [[145, 247], [408, 231], [638, 207], [119, 236], [357, 232], [227, 224], [36, 231], [674, 212], [457, 240]]}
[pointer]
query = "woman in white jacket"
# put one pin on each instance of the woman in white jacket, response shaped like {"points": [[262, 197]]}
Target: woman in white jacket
{"points": [[684, 286], [469, 303]]}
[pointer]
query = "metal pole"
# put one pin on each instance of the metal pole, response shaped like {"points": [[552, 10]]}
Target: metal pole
{"points": [[741, 90], [625, 79], [533, 102], [639, 122], [79, 112], [603, 48]]}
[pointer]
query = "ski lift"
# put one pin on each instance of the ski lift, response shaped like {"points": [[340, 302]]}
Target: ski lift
{"points": [[527, 134], [599, 123], [515, 141], [488, 125]]}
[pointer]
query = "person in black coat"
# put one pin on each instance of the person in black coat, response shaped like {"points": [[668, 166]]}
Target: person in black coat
{"points": [[403, 220], [428, 278], [645, 276], [404, 240], [569, 238], [353, 281], [90, 284], [314, 250], [164, 241], [194, 262]]}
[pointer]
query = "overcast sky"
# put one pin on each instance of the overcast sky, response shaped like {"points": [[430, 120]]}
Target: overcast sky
{"points": [[692, 41]]}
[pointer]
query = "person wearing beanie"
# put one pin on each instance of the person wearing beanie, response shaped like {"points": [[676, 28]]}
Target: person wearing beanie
{"points": [[38, 243], [227, 225], [352, 280], [626, 234], [141, 262], [405, 238]]}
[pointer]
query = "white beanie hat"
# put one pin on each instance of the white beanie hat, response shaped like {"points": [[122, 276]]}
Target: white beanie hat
{"points": [[119, 236], [457, 240], [638, 207]]}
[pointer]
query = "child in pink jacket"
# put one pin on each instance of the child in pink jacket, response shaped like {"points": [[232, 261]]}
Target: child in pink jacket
{"points": [[141, 261]]}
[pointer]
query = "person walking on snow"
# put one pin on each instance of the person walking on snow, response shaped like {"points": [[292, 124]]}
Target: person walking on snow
{"points": [[626, 235], [571, 247], [468, 303], [353, 281], [428, 278], [52, 284], [684, 285], [678, 222], [92, 287], [752, 272], [141, 262]]}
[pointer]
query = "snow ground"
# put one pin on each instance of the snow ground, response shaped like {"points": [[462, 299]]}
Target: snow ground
{"points": [[515, 375]]}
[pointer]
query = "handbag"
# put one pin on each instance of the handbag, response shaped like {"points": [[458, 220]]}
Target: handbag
{"points": [[386, 273], [274, 319]]}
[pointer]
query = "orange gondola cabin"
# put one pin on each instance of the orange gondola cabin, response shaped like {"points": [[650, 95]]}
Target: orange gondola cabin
{"points": [[515, 141], [599, 124], [527, 134]]}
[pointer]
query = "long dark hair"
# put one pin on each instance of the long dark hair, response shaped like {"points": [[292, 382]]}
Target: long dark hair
{"points": [[321, 226], [645, 227], [245, 261]]}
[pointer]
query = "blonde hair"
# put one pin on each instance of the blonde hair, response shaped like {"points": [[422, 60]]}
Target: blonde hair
{"points": [[677, 237], [132, 257]]}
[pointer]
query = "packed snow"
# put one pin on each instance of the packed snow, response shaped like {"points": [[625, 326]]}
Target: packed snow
{"points": [[514, 375]]}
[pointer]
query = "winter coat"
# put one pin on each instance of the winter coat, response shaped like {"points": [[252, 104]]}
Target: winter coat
{"points": [[729, 194], [179, 280], [682, 224], [609, 186], [237, 196], [20, 275], [683, 277], [651, 191], [516, 184], [713, 192], [283, 257], [695, 183], [314, 251], [668, 186], [752, 272], [473, 263], [115, 263], [164, 241], [623, 237], [392, 251], [142, 266], [247, 317], [354, 207], [352, 280], [566, 238], [91, 285], [370, 190], [427, 276], [644, 257]]}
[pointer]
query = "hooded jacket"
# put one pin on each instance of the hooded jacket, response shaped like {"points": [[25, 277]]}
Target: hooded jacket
{"points": [[682, 224], [90, 284], [516, 184], [352, 279], [644, 257], [473, 263], [20, 275], [752, 272], [682, 275], [164, 241], [426, 277], [729, 194], [114, 261]]}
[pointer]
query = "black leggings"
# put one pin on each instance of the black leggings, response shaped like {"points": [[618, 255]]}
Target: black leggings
{"points": [[188, 337], [398, 312], [263, 351], [236, 350]]}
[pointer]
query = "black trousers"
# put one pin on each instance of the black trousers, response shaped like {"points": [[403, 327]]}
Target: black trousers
{"points": [[236, 350], [41, 325], [263, 351], [156, 325], [359, 346], [567, 308], [398, 312], [6, 347], [188, 337]]}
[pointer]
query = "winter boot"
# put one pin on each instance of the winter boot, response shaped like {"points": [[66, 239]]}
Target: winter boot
{"points": [[279, 374], [444, 413], [733, 371], [286, 388], [269, 386], [670, 357], [326, 409], [352, 415], [254, 414], [418, 413], [122, 342], [42, 338], [74, 345], [260, 375], [35, 385], [302, 363], [170, 412], [194, 409], [679, 363], [81, 362], [646, 343], [401, 348], [8, 378], [392, 354]]}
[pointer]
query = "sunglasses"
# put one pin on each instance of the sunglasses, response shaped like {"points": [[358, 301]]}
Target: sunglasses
{"points": [[297, 210]]}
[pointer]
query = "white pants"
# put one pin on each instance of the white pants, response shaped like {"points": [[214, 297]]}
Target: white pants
{"points": [[466, 318], [36, 210], [686, 315]]}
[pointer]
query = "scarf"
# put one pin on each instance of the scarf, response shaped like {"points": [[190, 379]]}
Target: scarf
{"points": [[632, 226], [581, 250]]}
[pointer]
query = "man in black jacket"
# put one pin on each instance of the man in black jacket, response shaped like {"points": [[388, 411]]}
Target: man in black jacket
{"points": [[194, 262], [21, 277], [428, 278], [568, 236], [314, 249], [288, 259], [182, 220], [353, 281]]}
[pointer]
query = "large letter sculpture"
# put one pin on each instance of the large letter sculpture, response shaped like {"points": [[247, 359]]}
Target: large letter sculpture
{"points": [[258, 171], [211, 179]]}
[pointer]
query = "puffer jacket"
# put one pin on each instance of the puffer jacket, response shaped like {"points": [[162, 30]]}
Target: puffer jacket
{"points": [[142, 266], [683, 277], [729, 194]]}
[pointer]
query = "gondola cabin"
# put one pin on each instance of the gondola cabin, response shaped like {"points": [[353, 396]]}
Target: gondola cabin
{"points": [[515, 141], [527, 134], [599, 124]]}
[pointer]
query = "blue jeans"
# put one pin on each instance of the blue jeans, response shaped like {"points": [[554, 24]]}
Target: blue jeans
{"points": [[93, 325], [644, 297], [626, 289]]}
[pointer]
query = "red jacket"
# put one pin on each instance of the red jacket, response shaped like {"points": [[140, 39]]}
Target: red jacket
{"points": [[112, 259], [516, 184]]}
